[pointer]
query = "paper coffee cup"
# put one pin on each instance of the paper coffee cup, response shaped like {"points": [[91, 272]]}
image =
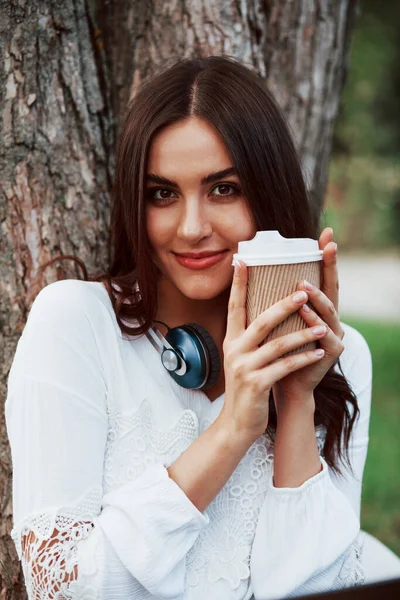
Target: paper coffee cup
{"points": [[275, 266]]}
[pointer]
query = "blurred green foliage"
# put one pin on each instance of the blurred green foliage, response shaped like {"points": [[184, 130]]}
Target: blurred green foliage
{"points": [[363, 207], [363, 198], [380, 509]]}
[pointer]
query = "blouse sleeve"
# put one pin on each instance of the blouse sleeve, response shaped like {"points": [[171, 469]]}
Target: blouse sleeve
{"points": [[71, 539], [306, 537]]}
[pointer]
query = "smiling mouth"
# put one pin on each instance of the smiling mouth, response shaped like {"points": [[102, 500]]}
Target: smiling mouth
{"points": [[204, 254], [201, 263]]}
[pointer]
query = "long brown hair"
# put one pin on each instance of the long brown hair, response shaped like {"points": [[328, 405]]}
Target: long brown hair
{"points": [[234, 99]]}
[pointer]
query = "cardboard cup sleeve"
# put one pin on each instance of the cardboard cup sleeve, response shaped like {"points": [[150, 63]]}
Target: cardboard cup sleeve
{"points": [[268, 284]]}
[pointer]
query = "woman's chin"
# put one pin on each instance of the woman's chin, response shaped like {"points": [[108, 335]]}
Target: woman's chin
{"points": [[204, 290]]}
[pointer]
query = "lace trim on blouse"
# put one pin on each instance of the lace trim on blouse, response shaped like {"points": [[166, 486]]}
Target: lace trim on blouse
{"points": [[223, 548], [47, 545], [134, 444], [352, 571]]}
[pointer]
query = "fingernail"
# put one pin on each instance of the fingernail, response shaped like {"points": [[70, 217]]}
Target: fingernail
{"points": [[308, 286], [299, 297], [335, 250], [306, 308], [237, 267], [319, 329]]}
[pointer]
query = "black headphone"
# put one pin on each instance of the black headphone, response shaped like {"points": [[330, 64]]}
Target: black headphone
{"points": [[189, 354]]}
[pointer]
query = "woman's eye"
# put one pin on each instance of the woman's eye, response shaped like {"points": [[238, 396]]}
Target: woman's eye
{"points": [[224, 190], [159, 194]]}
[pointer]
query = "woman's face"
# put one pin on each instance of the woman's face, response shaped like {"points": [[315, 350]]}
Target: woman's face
{"points": [[185, 213]]}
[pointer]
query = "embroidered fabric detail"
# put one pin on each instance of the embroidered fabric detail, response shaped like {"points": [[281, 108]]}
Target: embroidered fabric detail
{"points": [[223, 548], [47, 545], [352, 571], [134, 444], [320, 434]]}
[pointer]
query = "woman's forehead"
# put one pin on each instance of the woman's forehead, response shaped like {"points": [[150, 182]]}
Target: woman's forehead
{"points": [[192, 145]]}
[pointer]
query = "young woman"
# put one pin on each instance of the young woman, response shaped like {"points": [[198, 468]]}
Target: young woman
{"points": [[127, 484]]}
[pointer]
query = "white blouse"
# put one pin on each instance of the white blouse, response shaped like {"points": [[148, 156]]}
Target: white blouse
{"points": [[94, 419]]}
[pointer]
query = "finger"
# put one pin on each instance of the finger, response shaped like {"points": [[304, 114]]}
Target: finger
{"points": [[284, 366], [332, 341], [258, 330], [276, 348], [325, 237], [236, 320], [330, 276], [323, 305]]}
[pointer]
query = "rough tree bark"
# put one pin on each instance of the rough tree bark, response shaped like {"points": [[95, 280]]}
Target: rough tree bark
{"points": [[299, 48], [60, 94], [55, 142]]}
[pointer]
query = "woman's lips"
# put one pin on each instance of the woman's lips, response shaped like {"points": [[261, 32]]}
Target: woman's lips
{"points": [[200, 263]]}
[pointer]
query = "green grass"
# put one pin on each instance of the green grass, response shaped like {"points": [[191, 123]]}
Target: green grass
{"points": [[380, 509]]}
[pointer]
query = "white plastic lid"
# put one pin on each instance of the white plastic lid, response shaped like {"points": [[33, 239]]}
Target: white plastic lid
{"points": [[271, 248]]}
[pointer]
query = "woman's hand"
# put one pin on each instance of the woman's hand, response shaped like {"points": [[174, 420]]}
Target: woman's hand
{"points": [[249, 374], [299, 386]]}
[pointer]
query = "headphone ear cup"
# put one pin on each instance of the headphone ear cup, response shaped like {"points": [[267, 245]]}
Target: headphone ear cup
{"points": [[213, 353]]}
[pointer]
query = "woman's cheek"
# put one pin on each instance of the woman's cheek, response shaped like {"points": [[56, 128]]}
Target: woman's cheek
{"points": [[240, 225], [159, 228]]}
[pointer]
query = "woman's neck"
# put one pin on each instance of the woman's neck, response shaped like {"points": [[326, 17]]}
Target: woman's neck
{"points": [[174, 309]]}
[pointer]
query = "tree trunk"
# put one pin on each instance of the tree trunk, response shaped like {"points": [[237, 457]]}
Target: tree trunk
{"points": [[299, 48], [55, 141], [57, 128]]}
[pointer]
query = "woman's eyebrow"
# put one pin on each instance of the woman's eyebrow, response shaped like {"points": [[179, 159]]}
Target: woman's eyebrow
{"points": [[208, 179]]}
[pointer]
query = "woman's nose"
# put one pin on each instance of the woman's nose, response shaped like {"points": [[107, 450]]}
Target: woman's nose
{"points": [[194, 223]]}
